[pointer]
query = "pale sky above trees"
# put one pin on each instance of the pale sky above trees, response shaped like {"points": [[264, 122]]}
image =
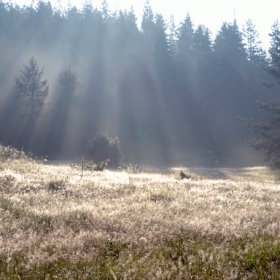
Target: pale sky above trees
{"points": [[211, 13]]}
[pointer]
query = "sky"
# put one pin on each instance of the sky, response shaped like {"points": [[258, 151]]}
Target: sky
{"points": [[211, 13]]}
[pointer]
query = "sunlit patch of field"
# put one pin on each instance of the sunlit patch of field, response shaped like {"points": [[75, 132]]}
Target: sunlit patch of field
{"points": [[57, 223]]}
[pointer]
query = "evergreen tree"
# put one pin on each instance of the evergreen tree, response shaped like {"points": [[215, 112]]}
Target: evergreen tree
{"points": [[172, 39], [3, 17], [147, 24], [229, 47], [161, 49], [67, 85], [202, 49], [68, 81], [269, 142], [185, 56], [274, 51], [106, 13], [73, 32], [185, 36], [255, 53], [31, 91]]}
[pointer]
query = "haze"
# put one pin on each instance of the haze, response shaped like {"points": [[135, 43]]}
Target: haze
{"points": [[170, 91], [211, 13]]}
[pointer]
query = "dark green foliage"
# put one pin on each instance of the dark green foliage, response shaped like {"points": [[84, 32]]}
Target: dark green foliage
{"points": [[56, 185], [274, 51], [91, 166], [229, 49], [68, 81], [101, 165], [103, 148], [147, 24], [88, 165], [31, 91], [183, 175], [269, 131], [62, 103], [255, 53], [185, 47], [269, 143]]}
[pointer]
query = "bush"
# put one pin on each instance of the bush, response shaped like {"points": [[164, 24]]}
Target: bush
{"points": [[91, 166], [102, 148], [10, 153], [183, 175]]}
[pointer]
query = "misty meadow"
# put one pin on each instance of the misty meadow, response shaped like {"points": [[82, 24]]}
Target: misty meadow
{"points": [[123, 151]]}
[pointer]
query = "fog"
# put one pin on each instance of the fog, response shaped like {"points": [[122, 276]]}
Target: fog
{"points": [[171, 94]]}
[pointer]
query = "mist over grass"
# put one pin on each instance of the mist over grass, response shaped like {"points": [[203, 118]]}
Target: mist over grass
{"points": [[138, 223]]}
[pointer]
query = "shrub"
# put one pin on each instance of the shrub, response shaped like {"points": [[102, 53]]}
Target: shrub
{"points": [[102, 148], [56, 185], [11, 153], [183, 175], [91, 166]]}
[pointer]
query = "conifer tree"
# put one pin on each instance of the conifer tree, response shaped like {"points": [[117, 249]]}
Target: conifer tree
{"points": [[60, 113], [185, 34], [255, 53], [172, 39], [269, 142], [147, 23], [202, 46], [31, 91], [229, 47], [185, 58], [274, 51]]}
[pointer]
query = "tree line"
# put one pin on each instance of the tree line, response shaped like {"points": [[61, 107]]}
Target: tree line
{"points": [[162, 88]]}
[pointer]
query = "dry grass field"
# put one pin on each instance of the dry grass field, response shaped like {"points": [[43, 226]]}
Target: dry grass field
{"points": [[127, 224]]}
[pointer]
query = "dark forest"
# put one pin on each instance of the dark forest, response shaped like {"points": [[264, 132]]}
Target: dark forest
{"points": [[171, 94]]}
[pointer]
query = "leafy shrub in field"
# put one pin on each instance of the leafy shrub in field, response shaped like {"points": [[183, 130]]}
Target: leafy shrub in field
{"points": [[10, 153], [183, 175], [56, 185], [102, 148], [91, 166], [101, 165]]}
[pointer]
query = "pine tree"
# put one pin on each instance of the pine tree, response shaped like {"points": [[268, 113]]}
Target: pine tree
{"points": [[229, 47], [105, 10], [68, 82], [185, 34], [162, 54], [202, 48], [147, 24], [172, 39], [185, 58], [274, 51], [269, 131], [255, 53], [31, 91]]}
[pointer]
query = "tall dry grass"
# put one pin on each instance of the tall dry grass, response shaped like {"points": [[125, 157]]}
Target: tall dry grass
{"points": [[221, 223]]}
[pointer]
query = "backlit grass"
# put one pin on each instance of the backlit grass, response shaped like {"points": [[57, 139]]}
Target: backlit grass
{"points": [[57, 224]]}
